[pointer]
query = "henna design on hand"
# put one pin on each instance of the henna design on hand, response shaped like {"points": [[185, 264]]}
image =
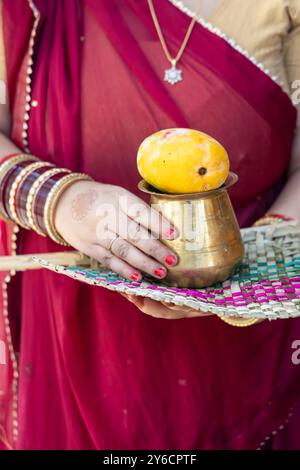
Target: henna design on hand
{"points": [[82, 204]]}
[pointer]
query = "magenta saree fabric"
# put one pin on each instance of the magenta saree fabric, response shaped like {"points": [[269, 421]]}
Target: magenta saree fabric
{"points": [[94, 372]]}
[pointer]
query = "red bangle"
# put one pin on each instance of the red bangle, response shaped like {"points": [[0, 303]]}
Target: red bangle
{"points": [[11, 155], [8, 157], [285, 218]]}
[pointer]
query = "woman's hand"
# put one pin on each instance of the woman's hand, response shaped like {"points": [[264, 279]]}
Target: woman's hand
{"points": [[163, 309], [116, 228]]}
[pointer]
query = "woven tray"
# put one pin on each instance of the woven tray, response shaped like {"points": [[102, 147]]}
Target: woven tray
{"points": [[266, 285]]}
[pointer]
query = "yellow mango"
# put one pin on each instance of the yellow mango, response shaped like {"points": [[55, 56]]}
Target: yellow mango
{"points": [[182, 161]]}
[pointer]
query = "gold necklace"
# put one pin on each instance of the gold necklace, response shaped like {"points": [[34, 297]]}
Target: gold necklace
{"points": [[172, 75]]}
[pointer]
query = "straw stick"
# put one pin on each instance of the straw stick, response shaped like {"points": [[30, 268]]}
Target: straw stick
{"points": [[24, 262]]}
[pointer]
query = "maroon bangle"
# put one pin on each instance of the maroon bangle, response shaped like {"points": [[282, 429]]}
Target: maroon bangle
{"points": [[2, 191], [23, 191], [41, 197], [6, 184]]}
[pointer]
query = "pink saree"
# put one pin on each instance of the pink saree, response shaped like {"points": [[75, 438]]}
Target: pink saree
{"points": [[92, 371]]}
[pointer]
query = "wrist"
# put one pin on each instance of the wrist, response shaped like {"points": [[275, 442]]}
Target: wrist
{"points": [[30, 191]]}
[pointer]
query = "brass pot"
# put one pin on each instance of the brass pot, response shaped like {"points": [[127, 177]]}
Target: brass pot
{"points": [[210, 246]]}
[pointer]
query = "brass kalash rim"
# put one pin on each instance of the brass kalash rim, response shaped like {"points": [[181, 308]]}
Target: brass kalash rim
{"points": [[147, 188]]}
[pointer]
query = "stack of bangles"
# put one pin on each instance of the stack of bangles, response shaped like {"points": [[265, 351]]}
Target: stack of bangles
{"points": [[30, 190], [268, 219]]}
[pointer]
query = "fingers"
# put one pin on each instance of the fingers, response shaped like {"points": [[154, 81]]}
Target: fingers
{"points": [[163, 309], [188, 310], [107, 259], [137, 300], [137, 235], [174, 307], [157, 310], [134, 257], [150, 218]]}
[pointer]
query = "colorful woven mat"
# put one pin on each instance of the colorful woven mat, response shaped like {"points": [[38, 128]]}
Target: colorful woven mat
{"points": [[266, 285]]}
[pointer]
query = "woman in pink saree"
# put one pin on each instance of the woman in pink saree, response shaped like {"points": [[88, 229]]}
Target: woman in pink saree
{"points": [[86, 369]]}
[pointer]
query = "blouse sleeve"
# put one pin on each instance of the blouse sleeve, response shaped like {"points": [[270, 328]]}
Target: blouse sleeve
{"points": [[292, 52]]}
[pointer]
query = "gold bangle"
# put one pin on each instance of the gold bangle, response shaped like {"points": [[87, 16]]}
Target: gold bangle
{"points": [[18, 181], [4, 169], [238, 321], [31, 195], [52, 200], [267, 220]]}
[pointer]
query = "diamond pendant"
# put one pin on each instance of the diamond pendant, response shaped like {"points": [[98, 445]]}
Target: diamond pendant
{"points": [[173, 75]]}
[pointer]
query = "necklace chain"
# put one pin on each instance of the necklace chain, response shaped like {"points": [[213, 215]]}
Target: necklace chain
{"points": [[172, 60]]}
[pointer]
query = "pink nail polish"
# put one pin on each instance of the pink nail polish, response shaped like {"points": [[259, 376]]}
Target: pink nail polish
{"points": [[135, 277], [160, 272], [171, 260]]}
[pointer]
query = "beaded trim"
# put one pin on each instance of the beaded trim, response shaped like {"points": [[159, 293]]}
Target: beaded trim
{"points": [[214, 29], [7, 280], [280, 428], [12, 354], [29, 103]]}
